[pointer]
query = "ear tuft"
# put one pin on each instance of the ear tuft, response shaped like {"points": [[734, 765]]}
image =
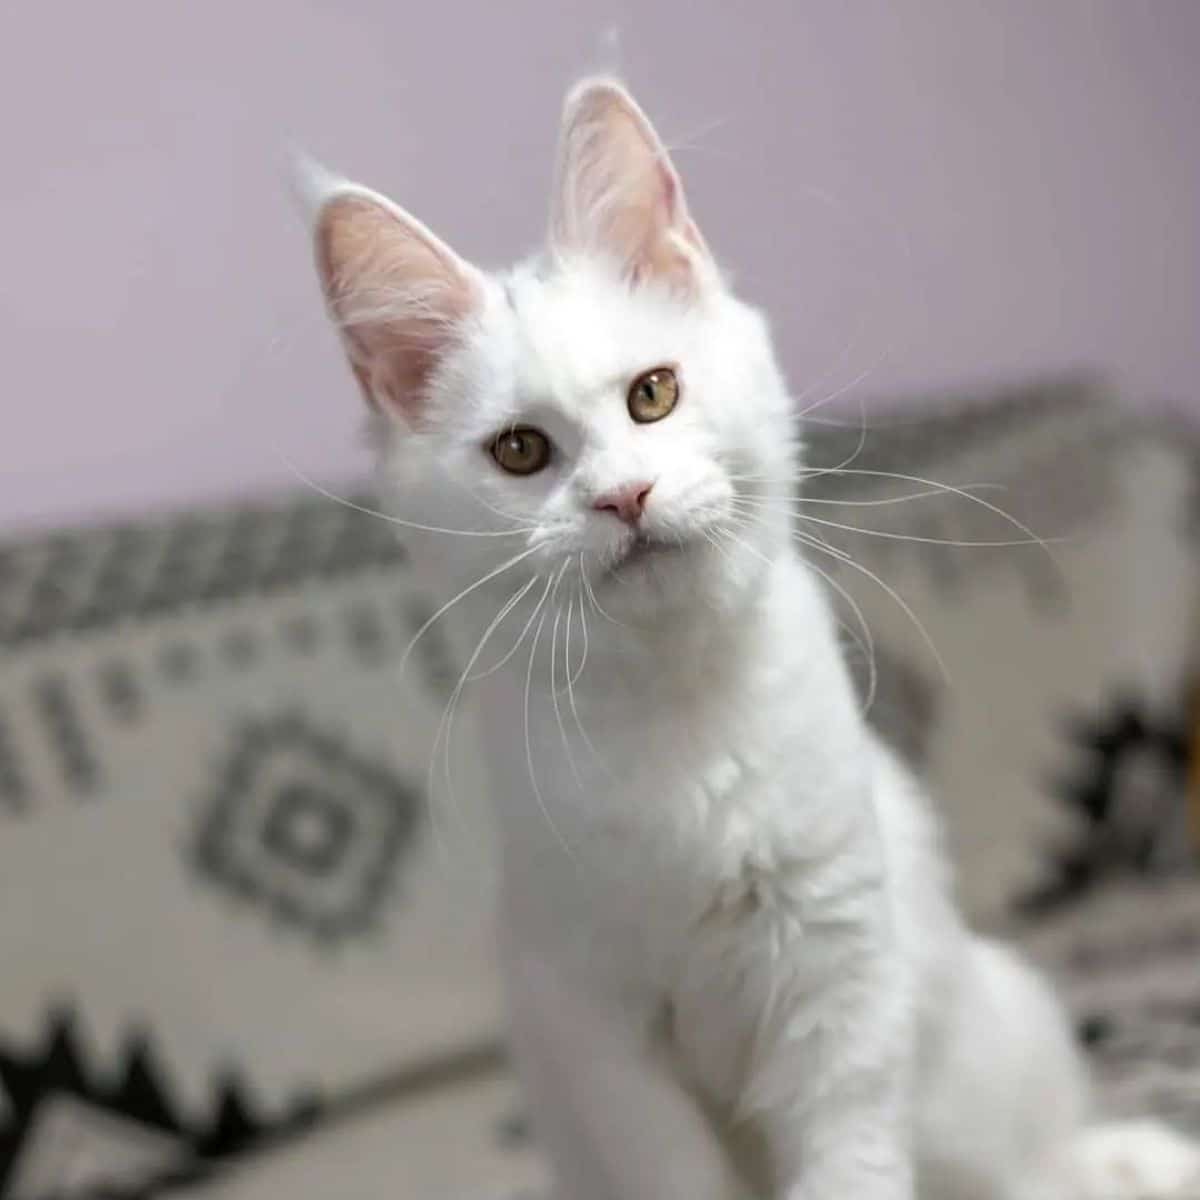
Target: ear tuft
{"points": [[311, 183], [617, 192]]}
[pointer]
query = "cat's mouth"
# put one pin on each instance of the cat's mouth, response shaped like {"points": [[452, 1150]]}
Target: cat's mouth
{"points": [[646, 550]]}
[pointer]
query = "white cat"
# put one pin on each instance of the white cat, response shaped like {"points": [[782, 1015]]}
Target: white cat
{"points": [[733, 963]]}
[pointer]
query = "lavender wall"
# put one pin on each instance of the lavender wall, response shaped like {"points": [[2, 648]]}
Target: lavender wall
{"points": [[922, 192]]}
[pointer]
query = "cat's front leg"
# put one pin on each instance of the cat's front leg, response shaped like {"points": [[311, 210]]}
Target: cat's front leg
{"points": [[845, 1128], [611, 1116], [811, 1040], [851, 1149]]}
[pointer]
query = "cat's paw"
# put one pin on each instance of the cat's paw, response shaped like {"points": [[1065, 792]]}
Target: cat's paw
{"points": [[1136, 1161]]}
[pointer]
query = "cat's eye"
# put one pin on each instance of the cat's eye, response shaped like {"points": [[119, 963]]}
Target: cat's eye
{"points": [[521, 451], [653, 394]]}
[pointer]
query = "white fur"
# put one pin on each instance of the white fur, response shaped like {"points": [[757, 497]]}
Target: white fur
{"points": [[734, 965]]}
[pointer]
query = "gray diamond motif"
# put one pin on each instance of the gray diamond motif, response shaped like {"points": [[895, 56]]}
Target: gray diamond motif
{"points": [[305, 829]]}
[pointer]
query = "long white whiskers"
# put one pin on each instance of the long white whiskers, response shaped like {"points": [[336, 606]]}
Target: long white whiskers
{"points": [[504, 566], [859, 378], [374, 512], [583, 621], [865, 642], [521, 638], [957, 491], [446, 724], [583, 733], [587, 583], [767, 497], [743, 502], [816, 543], [562, 728], [537, 791]]}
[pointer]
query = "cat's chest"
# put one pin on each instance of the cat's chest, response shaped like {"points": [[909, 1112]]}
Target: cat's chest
{"points": [[674, 847], [629, 834]]}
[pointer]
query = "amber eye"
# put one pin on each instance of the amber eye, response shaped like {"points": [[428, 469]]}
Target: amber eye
{"points": [[521, 451], [653, 395]]}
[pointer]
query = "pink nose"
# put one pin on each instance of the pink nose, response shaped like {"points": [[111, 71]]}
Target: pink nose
{"points": [[627, 502]]}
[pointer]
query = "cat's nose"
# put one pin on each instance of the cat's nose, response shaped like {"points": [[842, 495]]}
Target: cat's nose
{"points": [[626, 502]]}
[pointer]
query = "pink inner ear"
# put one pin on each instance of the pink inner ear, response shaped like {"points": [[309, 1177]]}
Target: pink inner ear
{"points": [[618, 192], [399, 297]]}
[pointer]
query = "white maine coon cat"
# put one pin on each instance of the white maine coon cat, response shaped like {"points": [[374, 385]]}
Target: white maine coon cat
{"points": [[734, 967]]}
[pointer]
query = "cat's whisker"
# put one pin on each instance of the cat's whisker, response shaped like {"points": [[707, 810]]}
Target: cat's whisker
{"points": [[887, 534], [562, 728], [572, 679], [446, 724], [852, 457], [583, 583], [571, 699], [861, 377], [567, 638], [521, 638], [768, 498], [841, 360], [393, 520], [466, 487], [882, 357], [725, 529], [862, 438], [801, 474], [710, 537], [537, 791], [930, 541], [504, 566], [727, 533], [865, 642], [834, 423], [856, 338], [965, 493], [592, 594], [816, 543]]}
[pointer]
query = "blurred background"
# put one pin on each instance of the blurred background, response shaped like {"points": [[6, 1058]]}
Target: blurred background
{"points": [[233, 958]]}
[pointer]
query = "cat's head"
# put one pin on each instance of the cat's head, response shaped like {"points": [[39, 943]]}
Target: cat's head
{"points": [[608, 410]]}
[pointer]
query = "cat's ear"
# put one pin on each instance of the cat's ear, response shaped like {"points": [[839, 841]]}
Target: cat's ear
{"points": [[616, 191], [399, 296]]}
